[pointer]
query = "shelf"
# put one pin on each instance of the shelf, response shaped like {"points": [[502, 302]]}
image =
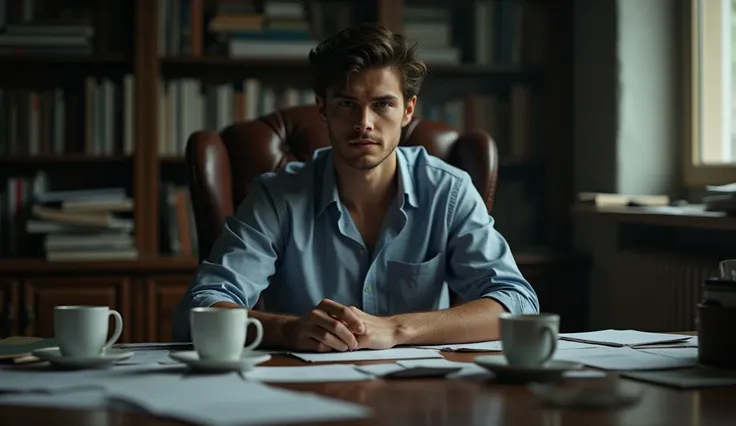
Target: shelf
{"points": [[29, 160], [510, 162], [10, 266], [677, 217], [11, 65]]}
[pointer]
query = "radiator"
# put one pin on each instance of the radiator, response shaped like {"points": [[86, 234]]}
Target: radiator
{"points": [[656, 291]]}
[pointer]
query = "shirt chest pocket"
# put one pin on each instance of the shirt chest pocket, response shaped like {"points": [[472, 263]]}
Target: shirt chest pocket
{"points": [[415, 286]]}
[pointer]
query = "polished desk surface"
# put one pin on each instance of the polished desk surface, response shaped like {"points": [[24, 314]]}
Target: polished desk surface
{"points": [[452, 402]]}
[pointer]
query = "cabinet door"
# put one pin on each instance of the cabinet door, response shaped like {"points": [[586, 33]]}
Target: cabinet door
{"points": [[43, 294], [164, 293], [8, 308]]}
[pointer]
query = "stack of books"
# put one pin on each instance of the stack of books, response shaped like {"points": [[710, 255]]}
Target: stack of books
{"points": [[81, 225]]}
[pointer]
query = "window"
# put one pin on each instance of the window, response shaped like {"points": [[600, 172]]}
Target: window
{"points": [[710, 30]]}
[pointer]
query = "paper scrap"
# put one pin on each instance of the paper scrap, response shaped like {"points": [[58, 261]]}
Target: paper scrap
{"points": [[309, 374], [147, 356], [367, 355], [624, 337], [379, 370], [81, 399]]}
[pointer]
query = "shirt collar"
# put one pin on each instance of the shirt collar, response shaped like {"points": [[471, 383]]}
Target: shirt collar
{"points": [[406, 184], [329, 193]]}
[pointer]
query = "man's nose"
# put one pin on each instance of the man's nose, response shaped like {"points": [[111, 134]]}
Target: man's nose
{"points": [[365, 121]]}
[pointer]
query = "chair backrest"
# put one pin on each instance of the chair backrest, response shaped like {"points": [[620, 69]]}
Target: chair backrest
{"points": [[222, 165]]}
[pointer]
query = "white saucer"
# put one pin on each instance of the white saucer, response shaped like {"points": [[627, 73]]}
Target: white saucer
{"points": [[54, 356], [247, 361], [551, 371]]}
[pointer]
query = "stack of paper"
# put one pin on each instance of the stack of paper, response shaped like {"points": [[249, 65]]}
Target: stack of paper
{"points": [[620, 338]]}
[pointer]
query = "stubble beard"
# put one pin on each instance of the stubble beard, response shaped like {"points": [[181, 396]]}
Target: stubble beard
{"points": [[357, 161]]}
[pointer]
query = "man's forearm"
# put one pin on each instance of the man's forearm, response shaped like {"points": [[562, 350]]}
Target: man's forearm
{"points": [[273, 326], [473, 321]]}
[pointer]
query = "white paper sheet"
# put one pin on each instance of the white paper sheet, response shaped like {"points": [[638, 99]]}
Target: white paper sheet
{"points": [[688, 378], [149, 356], [379, 370], [45, 378], [681, 353], [623, 358], [497, 346], [309, 374], [81, 399], [368, 355], [469, 370], [227, 399], [623, 337]]}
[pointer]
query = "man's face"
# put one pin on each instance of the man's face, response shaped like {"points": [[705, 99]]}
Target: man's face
{"points": [[364, 119]]}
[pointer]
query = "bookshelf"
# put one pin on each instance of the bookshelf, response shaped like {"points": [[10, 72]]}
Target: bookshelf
{"points": [[146, 53]]}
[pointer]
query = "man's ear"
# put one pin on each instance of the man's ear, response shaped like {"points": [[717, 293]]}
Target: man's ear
{"points": [[321, 107], [409, 111]]}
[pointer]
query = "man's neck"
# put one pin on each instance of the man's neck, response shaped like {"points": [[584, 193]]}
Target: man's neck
{"points": [[364, 191]]}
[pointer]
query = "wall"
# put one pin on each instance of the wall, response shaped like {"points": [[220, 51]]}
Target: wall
{"points": [[626, 119]]}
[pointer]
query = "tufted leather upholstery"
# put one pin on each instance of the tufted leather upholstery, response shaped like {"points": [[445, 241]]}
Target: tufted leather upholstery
{"points": [[221, 166]]}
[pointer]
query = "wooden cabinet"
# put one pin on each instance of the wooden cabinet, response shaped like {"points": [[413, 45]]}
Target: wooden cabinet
{"points": [[145, 292], [163, 295], [41, 295], [9, 307]]}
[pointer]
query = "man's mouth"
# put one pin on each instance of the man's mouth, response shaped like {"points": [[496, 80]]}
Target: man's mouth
{"points": [[363, 142]]}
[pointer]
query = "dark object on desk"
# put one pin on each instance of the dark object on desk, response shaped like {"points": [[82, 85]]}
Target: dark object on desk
{"points": [[716, 345], [422, 373]]}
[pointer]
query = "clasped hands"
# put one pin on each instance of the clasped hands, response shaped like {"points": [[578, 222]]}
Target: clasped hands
{"points": [[332, 326]]}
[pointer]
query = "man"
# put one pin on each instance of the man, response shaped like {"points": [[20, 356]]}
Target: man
{"points": [[356, 248]]}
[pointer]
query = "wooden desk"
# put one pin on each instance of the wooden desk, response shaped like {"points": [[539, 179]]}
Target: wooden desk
{"points": [[450, 402]]}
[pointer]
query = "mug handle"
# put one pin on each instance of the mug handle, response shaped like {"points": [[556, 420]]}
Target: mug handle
{"points": [[546, 329], [117, 332], [259, 333]]}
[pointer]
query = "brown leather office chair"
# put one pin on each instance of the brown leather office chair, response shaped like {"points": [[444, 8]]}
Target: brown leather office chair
{"points": [[222, 165]]}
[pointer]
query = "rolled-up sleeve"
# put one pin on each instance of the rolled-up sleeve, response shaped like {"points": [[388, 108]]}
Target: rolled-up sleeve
{"points": [[242, 260], [480, 261]]}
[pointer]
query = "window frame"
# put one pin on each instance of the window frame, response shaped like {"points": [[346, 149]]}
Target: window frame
{"points": [[695, 173]]}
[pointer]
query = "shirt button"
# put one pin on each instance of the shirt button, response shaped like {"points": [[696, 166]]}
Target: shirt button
{"points": [[368, 289]]}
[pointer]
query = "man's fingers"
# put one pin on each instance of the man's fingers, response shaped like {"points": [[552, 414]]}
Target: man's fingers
{"points": [[326, 338], [334, 327], [343, 313]]}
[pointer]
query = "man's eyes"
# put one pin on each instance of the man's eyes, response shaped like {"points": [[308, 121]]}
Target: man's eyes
{"points": [[349, 104]]}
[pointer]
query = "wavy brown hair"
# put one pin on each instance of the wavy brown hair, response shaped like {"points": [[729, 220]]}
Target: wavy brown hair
{"points": [[362, 47]]}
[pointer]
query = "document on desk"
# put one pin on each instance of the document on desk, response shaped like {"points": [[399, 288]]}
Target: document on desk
{"points": [[620, 338], [467, 369], [227, 399], [89, 399], [624, 358], [46, 378], [368, 355], [308, 374], [497, 346]]}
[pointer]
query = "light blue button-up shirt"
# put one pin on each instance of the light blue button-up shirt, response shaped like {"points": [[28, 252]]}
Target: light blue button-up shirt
{"points": [[293, 241]]}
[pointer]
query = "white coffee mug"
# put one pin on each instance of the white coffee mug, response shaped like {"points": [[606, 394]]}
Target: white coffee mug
{"points": [[220, 333], [81, 331], [529, 340]]}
